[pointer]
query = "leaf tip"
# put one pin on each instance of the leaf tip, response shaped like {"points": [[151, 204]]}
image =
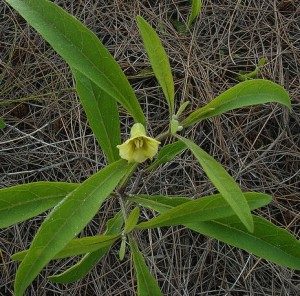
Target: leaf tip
{"points": [[14, 257], [139, 19], [250, 225]]}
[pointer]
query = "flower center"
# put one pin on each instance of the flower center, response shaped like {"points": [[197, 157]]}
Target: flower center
{"points": [[138, 142]]}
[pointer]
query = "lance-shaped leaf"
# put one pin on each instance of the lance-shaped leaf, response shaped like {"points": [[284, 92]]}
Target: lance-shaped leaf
{"points": [[158, 59], [66, 220], [159, 203], [247, 93], [223, 182], [82, 267], [167, 153], [267, 241], [77, 246], [81, 49], [132, 220], [102, 114], [195, 10], [21, 202], [203, 209], [146, 283], [122, 249]]}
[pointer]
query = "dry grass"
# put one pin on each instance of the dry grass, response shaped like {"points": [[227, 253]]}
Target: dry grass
{"points": [[47, 136]]}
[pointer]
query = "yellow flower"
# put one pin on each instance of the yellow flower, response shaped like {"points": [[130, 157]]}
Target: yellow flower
{"points": [[139, 147]]}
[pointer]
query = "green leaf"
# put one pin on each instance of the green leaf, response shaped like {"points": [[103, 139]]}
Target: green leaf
{"points": [[202, 209], [195, 10], [67, 220], [174, 126], [122, 249], [159, 203], [253, 74], [158, 59], [81, 49], [247, 93], [268, 241], [77, 246], [182, 108], [2, 123], [223, 182], [167, 153], [144, 73], [22, 202], [132, 220], [179, 26], [82, 268], [102, 114], [146, 283]]}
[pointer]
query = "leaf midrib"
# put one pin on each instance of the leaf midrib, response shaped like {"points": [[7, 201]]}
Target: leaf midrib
{"points": [[31, 201], [231, 201], [62, 226], [183, 215], [249, 234], [64, 36], [205, 109], [101, 122], [141, 271]]}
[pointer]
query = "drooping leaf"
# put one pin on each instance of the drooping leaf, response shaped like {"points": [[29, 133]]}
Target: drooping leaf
{"points": [[195, 10], [167, 153], [77, 246], [102, 114], [82, 268], [158, 59], [223, 182], [268, 241], [22, 202], [246, 93], [132, 220], [203, 209], [146, 283], [81, 49], [66, 220]]}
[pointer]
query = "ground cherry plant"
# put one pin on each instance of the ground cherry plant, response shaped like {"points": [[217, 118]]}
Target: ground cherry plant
{"points": [[101, 84]]}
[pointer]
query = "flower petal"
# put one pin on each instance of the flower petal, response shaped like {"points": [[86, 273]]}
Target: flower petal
{"points": [[139, 156], [126, 150], [139, 147], [150, 147], [137, 130]]}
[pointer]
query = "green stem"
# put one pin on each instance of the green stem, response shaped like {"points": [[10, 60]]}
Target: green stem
{"points": [[123, 206], [163, 135], [121, 190], [123, 183]]}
